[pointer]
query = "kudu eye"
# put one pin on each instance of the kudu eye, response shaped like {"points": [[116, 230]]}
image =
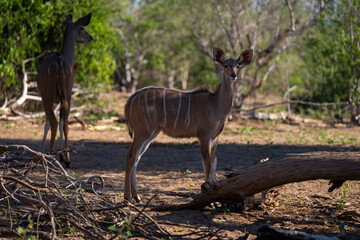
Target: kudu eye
{"points": [[237, 66], [226, 66]]}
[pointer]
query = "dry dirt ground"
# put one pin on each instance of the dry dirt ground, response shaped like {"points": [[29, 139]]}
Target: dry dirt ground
{"points": [[172, 167]]}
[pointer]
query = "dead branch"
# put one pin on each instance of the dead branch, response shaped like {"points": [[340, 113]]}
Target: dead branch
{"points": [[8, 232], [86, 232], [38, 183], [25, 96], [9, 107], [269, 174], [150, 218]]}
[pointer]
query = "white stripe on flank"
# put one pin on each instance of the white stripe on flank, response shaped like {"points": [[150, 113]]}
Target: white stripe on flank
{"points": [[147, 110], [188, 117], [136, 94], [143, 115], [187, 120], [164, 107], [178, 111], [154, 98]]}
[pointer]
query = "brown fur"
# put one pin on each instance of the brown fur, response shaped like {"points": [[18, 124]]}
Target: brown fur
{"points": [[197, 113], [55, 80]]}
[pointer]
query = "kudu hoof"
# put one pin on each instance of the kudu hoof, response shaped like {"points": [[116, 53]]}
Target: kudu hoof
{"points": [[137, 199], [127, 199], [67, 164], [209, 186]]}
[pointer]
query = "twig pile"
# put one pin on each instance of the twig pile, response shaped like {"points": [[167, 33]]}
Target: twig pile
{"points": [[39, 198]]}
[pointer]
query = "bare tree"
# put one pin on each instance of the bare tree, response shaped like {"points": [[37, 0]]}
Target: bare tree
{"points": [[133, 61], [136, 39], [10, 107], [261, 25]]}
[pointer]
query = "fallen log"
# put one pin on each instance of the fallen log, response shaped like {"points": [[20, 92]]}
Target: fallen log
{"points": [[337, 166]]}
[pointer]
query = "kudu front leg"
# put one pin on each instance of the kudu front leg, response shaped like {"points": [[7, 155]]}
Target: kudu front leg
{"points": [[213, 159], [208, 152], [205, 147]]}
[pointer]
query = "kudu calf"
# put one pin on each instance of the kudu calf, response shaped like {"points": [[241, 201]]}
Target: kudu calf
{"points": [[198, 113], [55, 81]]}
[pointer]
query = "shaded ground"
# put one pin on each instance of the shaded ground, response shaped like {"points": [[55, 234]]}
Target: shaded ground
{"points": [[172, 167]]}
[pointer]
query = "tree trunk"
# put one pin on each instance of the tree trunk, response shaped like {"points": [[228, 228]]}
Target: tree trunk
{"points": [[133, 82], [337, 166], [171, 79], [355, 114], [185, 77]]}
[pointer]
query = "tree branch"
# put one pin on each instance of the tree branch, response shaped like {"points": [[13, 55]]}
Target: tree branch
{"points": [[290, 33]]}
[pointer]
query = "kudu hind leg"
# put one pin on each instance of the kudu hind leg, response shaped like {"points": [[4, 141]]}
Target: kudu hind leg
{"points": [[46, 130], [138, 148], [50, 118], [132, 158], [64, 129]]}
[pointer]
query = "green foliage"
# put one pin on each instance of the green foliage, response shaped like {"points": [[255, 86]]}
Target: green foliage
{"points": [[328, 57], [22, 231], [173, 34], [225, 208], [21, 22], [124, 231], [31, 27], [341, 203]]}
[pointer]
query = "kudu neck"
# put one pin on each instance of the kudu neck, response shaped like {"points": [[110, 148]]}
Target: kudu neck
{"points": [[224, 95], [68, 49]]}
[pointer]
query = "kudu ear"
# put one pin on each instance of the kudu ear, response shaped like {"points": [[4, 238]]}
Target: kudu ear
{"points": [[245, 57], [84, 21], [68, 20], [218, 55]]}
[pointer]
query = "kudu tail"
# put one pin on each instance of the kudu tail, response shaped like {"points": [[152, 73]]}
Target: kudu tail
{"points": [[63, 74]]}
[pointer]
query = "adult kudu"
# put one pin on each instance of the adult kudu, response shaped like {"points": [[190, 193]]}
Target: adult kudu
{"points": [[198, 113], [55, 81]]}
